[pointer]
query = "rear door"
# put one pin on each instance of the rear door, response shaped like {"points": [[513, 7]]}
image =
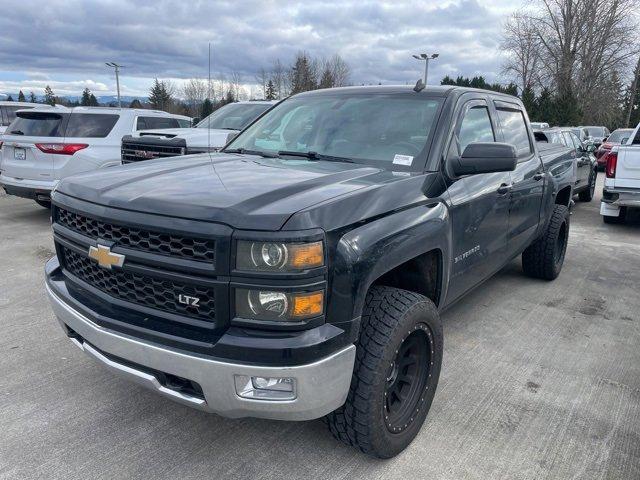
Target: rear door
{"points": [[628, 165], [527, 179], [100, 132], [20, 156]]}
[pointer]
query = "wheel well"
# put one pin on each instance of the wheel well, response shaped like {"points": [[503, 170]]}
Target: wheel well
{"points": [[421, 274], [564, 196]]}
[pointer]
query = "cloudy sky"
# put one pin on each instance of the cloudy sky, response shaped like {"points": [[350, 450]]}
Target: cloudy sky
{"points": [[65, 43]]}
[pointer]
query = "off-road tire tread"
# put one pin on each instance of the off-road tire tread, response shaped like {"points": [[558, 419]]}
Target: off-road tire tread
{"points": [[382, 314], [538, 258]]}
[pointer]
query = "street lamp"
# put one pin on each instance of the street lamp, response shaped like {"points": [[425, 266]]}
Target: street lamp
{"points": [[117, 69], [426, 57]]}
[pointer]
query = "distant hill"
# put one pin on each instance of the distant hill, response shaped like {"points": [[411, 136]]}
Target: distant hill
{"points": [[102, 99]]}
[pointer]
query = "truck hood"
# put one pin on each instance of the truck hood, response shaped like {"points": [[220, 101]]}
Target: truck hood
{"points": [[195, 137], [243, 191]]}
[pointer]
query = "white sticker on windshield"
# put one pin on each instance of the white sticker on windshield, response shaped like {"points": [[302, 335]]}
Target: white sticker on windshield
{"points": [[403, 160]]}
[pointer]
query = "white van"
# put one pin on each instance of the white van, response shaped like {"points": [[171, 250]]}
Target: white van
{"points": [[46, 144]]}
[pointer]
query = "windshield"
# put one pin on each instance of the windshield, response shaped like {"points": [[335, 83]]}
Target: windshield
{"points": [[618, 135], [387, 129], [234, 116], [595, 131]]}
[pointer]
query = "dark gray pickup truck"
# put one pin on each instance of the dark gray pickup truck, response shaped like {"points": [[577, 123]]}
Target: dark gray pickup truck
{"points": [[300, 273]]}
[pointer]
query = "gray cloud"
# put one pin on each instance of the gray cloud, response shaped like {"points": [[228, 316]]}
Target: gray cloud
{"points": [[169, 38]]}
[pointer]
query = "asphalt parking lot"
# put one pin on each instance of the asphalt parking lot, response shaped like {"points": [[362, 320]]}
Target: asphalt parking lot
{"points": [[539, 380]]}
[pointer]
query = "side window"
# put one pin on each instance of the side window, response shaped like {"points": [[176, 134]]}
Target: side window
{"points": [[475, 127], [567, 140], [152, 123], [3, 118], [576, 140], [515, 130], [636, 139]]}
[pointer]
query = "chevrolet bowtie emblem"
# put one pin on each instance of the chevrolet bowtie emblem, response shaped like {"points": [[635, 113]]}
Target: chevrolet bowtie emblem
{"points": [[104, 257]]}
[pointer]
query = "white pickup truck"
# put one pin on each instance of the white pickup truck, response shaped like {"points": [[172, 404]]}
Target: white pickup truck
{"points": [[210, 135], [622, 181]]}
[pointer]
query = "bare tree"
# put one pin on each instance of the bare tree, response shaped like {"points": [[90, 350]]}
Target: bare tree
{"points": [[195, 91], [521, 45], [235, 83], [340, 71], [279, 78], [262, 78]]}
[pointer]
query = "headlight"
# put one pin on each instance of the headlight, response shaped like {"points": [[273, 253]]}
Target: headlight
{"points": [[278, 306], [278, 257]]}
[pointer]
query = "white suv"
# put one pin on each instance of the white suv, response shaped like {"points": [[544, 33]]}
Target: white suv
{"points": [[44, 145]]}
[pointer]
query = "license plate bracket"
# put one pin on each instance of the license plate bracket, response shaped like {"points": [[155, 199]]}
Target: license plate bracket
{"points": [[19, 153]]}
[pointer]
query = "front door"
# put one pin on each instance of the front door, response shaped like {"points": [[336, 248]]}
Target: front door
{"points": [[479, 207]]}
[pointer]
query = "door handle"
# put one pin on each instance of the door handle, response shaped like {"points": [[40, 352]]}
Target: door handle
{"points": [[538, 176], [504, 188]]}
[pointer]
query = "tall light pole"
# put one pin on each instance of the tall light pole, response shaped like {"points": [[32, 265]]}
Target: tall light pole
{"points": [[117, 69], [426, 57]]}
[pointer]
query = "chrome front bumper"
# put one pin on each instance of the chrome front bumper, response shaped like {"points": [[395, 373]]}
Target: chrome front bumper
{"points": [[321, 387]]}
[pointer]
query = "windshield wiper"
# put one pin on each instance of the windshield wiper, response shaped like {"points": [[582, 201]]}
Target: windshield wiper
{"points": [[17, 132], [315, 156], [244, 151]]}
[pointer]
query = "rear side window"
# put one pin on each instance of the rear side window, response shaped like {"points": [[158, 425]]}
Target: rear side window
{"points": [[91, 125], [153, 123], [515, 131], [475, 127], [38, 124], [567, 140], [184, 123]]}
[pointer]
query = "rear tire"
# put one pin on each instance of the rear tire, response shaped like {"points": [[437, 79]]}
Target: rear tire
{"points": [[587, 195], [621, 218], [544, 257], [44, 204], [398, 360]]}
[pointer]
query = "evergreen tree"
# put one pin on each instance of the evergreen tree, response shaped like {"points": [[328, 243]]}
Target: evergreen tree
{"points": [[302, 78], [9, 98], [529, 101], [270, 91], [567, 110], [135, 103], [327, 79], [49, 96], [32, 98], [545, 108], [93, 101], [206, 109], [229, 98], [21, 97], [86, 98], [447, 81], [159, 97]]}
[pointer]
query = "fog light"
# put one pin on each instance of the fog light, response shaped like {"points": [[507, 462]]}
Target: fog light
{"points": [[265, 388]]}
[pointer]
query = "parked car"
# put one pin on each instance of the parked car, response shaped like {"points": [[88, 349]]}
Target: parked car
{"points": [[209, 135], [46, 144], [597, 135], [539, 125], [622, 180], [583, 134], [586, 165], [300, 272], [8, 112], [618, 137]]}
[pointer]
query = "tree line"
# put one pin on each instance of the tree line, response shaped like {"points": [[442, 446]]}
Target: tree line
{"points": [[573, 61]]}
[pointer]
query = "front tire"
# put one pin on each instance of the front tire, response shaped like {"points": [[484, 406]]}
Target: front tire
{"points": [[398, 360], [544, 257], [588, 194]]}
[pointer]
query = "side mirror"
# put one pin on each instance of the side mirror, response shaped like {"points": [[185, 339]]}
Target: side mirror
{"points": [[195, 121], [485, 158], [624, 140], [590, 148]]}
